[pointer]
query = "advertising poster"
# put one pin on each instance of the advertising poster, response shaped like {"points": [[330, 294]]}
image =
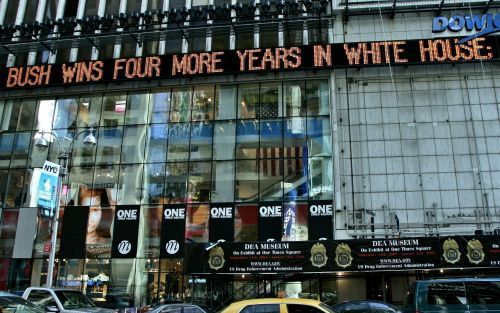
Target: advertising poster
{"points": [[125, 231], [221, 223], [470, 251], [386, 254], [268, 257], [270, 221], [320, 220], [73, 234], [173, 231]]}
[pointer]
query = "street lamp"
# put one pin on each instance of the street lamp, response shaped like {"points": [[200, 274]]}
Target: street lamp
{"points": [[63, 156]]}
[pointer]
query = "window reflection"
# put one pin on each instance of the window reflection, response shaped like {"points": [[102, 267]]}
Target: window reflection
{"points": [[113, 109], [181, 104], [245, 222], [197, 223], [248, 100], [203, 103], [176, 185]]}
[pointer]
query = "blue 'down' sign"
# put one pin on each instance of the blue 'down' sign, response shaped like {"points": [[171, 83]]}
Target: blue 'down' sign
{"points": [[484, 24]]}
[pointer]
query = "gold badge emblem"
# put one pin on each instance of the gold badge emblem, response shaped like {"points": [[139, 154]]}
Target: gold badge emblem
{"points": [[318, 255], [216, 258], [343, 256], [475, 251], [451, 251]]}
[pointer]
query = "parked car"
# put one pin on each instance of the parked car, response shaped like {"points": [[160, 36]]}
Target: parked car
{"points": [[364, 306], [473, 295], [278, 305], [62, 300], [115, 302], [180, 308], [12, 303]]}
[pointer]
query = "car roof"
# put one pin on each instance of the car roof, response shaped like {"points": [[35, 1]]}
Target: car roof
{"points": [[7, 294], [52, 288], [276, 300]]}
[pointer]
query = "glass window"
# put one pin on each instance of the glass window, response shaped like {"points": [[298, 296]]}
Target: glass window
{"points": [[79, 177], [129, 184], [109, 145], [8, 226], [91, 7], [176, 186], [156, 144], [181, 104], [197, 223], [271, 138], [82, 153], [65, 115], [245, 223], [41, 298], [203, 103], [321, 180], [113, 109], [224, 140], [134, 5], [133, 144], [270, 100], [247, 139], [220, 40], [271, 179], [178, 142], [223, 181], [294, 138], [106, 176], [160, 107], [21, 148], [15, 195], [32, 7], [319, 141], [247, 180], [446, 294], [199, 181], [294, 98], [482, 293], [244, 40], [89, 110], [154, 182], [201, 141], [112, 6], [299, 308], [137, 109], [295, 181], [18, 114], [6, 143], [225, 102], [317, 97], [152, 230], [248, 100], [11, 12]]}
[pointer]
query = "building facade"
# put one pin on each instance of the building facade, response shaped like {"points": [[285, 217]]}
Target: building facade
{"points": [[322, 129]]}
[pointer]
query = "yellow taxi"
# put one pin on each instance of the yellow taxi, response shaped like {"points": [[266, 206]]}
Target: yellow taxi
{"points": [[278, 305]]}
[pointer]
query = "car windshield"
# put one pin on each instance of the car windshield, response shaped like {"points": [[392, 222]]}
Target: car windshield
{"points": [[326, 307], [74, 299], [17, 304]]}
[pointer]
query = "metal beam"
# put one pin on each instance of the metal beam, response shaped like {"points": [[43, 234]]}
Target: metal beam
{"points": [[487, 6], [440, 8], [393, 11]]}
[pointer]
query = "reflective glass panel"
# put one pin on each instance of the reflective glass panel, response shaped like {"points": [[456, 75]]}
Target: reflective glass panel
{"points": [[246, 220], [130, 184], [20, 149], [224, 140], [319, 140], [247, 139], [154, 182], [271, 180], [89, 110], [199, 181], [270, 100], [197, 223], [248, 100], [178, 142], [295, 181], [160, 107], [247, 180], [156, 144], [223, 181], [321, 180], [317, 97], [180, 104], [271, 138], [109, 144], [201, 141], [137, 108], [294, 98], [133, 144], [113, 109], [65, 114], [176, 186], [203, 103], [225, 102], [152, 230]]}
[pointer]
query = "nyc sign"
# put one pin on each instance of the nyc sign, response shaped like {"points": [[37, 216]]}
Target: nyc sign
{"points": [[482, 24], [48, 187]]}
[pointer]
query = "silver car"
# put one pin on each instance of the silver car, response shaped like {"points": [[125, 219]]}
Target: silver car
{"points": [[62, 300], [13, 303]]}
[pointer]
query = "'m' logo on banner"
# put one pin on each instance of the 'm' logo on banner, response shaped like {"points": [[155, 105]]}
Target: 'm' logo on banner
{"points": [[124, 247], [172, 247]]}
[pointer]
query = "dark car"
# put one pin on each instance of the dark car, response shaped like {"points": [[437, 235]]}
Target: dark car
{"points": [[454, 295], [13, 303], [364, 306]]}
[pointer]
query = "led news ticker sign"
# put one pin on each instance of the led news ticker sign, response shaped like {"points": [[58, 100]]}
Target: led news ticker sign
{"points": [[426, 51]]}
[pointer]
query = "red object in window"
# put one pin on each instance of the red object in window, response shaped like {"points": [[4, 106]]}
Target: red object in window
{"points": [[47, 246]]}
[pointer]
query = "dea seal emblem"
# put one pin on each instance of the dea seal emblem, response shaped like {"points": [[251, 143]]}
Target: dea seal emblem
{"points": [[451, 251], [343, 256], [216, 258], [475, 251], [318, 255]]}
